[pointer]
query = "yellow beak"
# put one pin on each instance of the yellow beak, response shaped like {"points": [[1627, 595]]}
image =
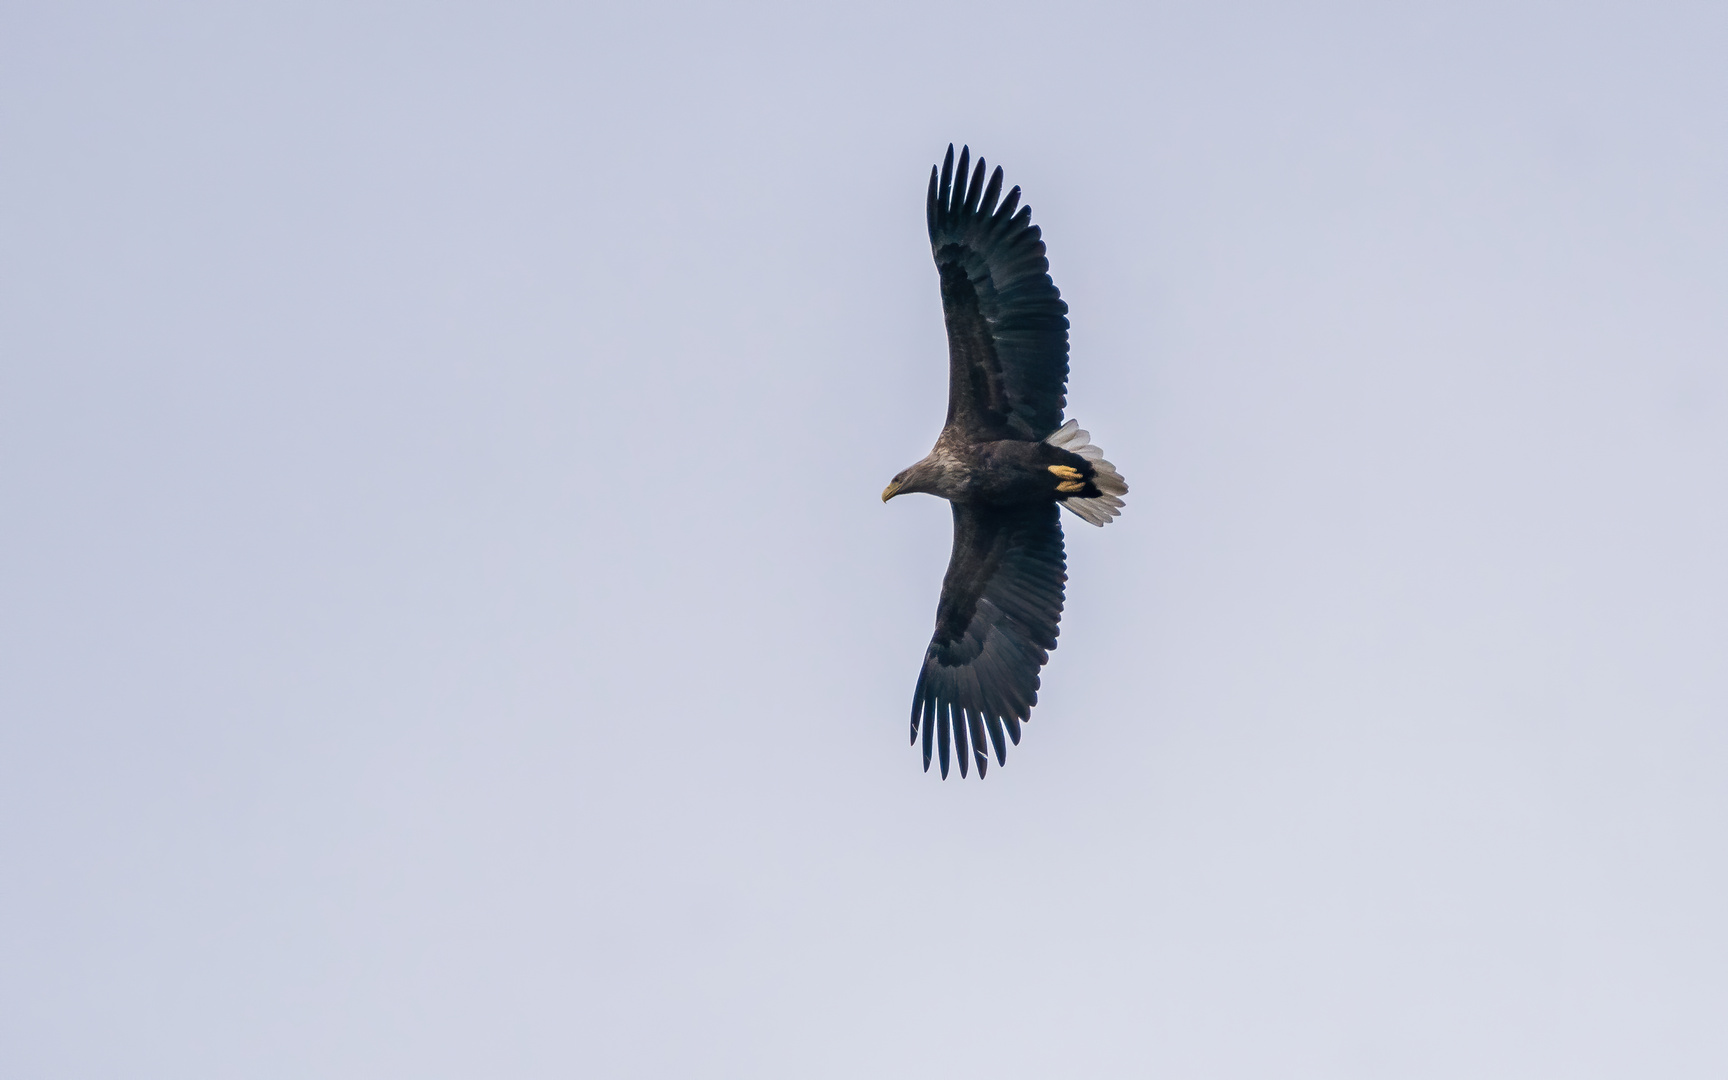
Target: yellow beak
{"points": [[890, 491]]}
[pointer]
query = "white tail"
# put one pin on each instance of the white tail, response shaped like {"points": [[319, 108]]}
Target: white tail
{"points": [[1099, 510]]}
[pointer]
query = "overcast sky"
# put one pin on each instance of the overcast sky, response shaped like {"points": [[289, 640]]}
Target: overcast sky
{"points": [[449, 629]]}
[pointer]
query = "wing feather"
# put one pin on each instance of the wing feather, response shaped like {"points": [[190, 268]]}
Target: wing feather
{"points": [[995, 626], [980, 754], [994, 721], [944, 722], [1007, 323]]}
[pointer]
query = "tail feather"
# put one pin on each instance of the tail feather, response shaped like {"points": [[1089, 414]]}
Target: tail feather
{"points": [[1108, 504]]}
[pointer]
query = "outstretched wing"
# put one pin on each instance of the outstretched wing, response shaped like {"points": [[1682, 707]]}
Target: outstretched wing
{"points": [[995, 627], [1007, 324]]}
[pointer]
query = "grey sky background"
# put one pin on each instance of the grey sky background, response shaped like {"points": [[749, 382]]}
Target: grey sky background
{"points": [[448, 627]]}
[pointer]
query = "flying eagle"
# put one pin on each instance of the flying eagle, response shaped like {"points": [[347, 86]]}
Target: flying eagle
{"points": [[1004, 461]]}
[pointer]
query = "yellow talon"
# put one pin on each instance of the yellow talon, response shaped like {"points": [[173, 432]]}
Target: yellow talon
{"points": [[1070, 486], [1064, 472]]}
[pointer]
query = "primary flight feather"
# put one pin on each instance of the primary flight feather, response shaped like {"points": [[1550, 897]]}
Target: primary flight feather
{"points": [[1004, 461]]}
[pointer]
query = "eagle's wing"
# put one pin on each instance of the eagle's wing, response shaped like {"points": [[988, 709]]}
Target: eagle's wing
{"points": [[1007, 324], [995, 627]]}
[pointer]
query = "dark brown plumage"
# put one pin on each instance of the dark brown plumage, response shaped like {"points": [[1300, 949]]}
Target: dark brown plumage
{"points": [[1005, 461]]}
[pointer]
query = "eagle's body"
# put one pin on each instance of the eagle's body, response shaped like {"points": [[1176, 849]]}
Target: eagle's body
{"points": [[1002, 472], [1005, 461]]}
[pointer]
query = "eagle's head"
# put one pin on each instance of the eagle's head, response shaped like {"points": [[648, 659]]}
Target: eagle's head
{"points": [[920, 477]]}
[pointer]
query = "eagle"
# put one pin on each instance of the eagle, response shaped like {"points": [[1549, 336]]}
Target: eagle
{"points": [[1005, 461]]}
